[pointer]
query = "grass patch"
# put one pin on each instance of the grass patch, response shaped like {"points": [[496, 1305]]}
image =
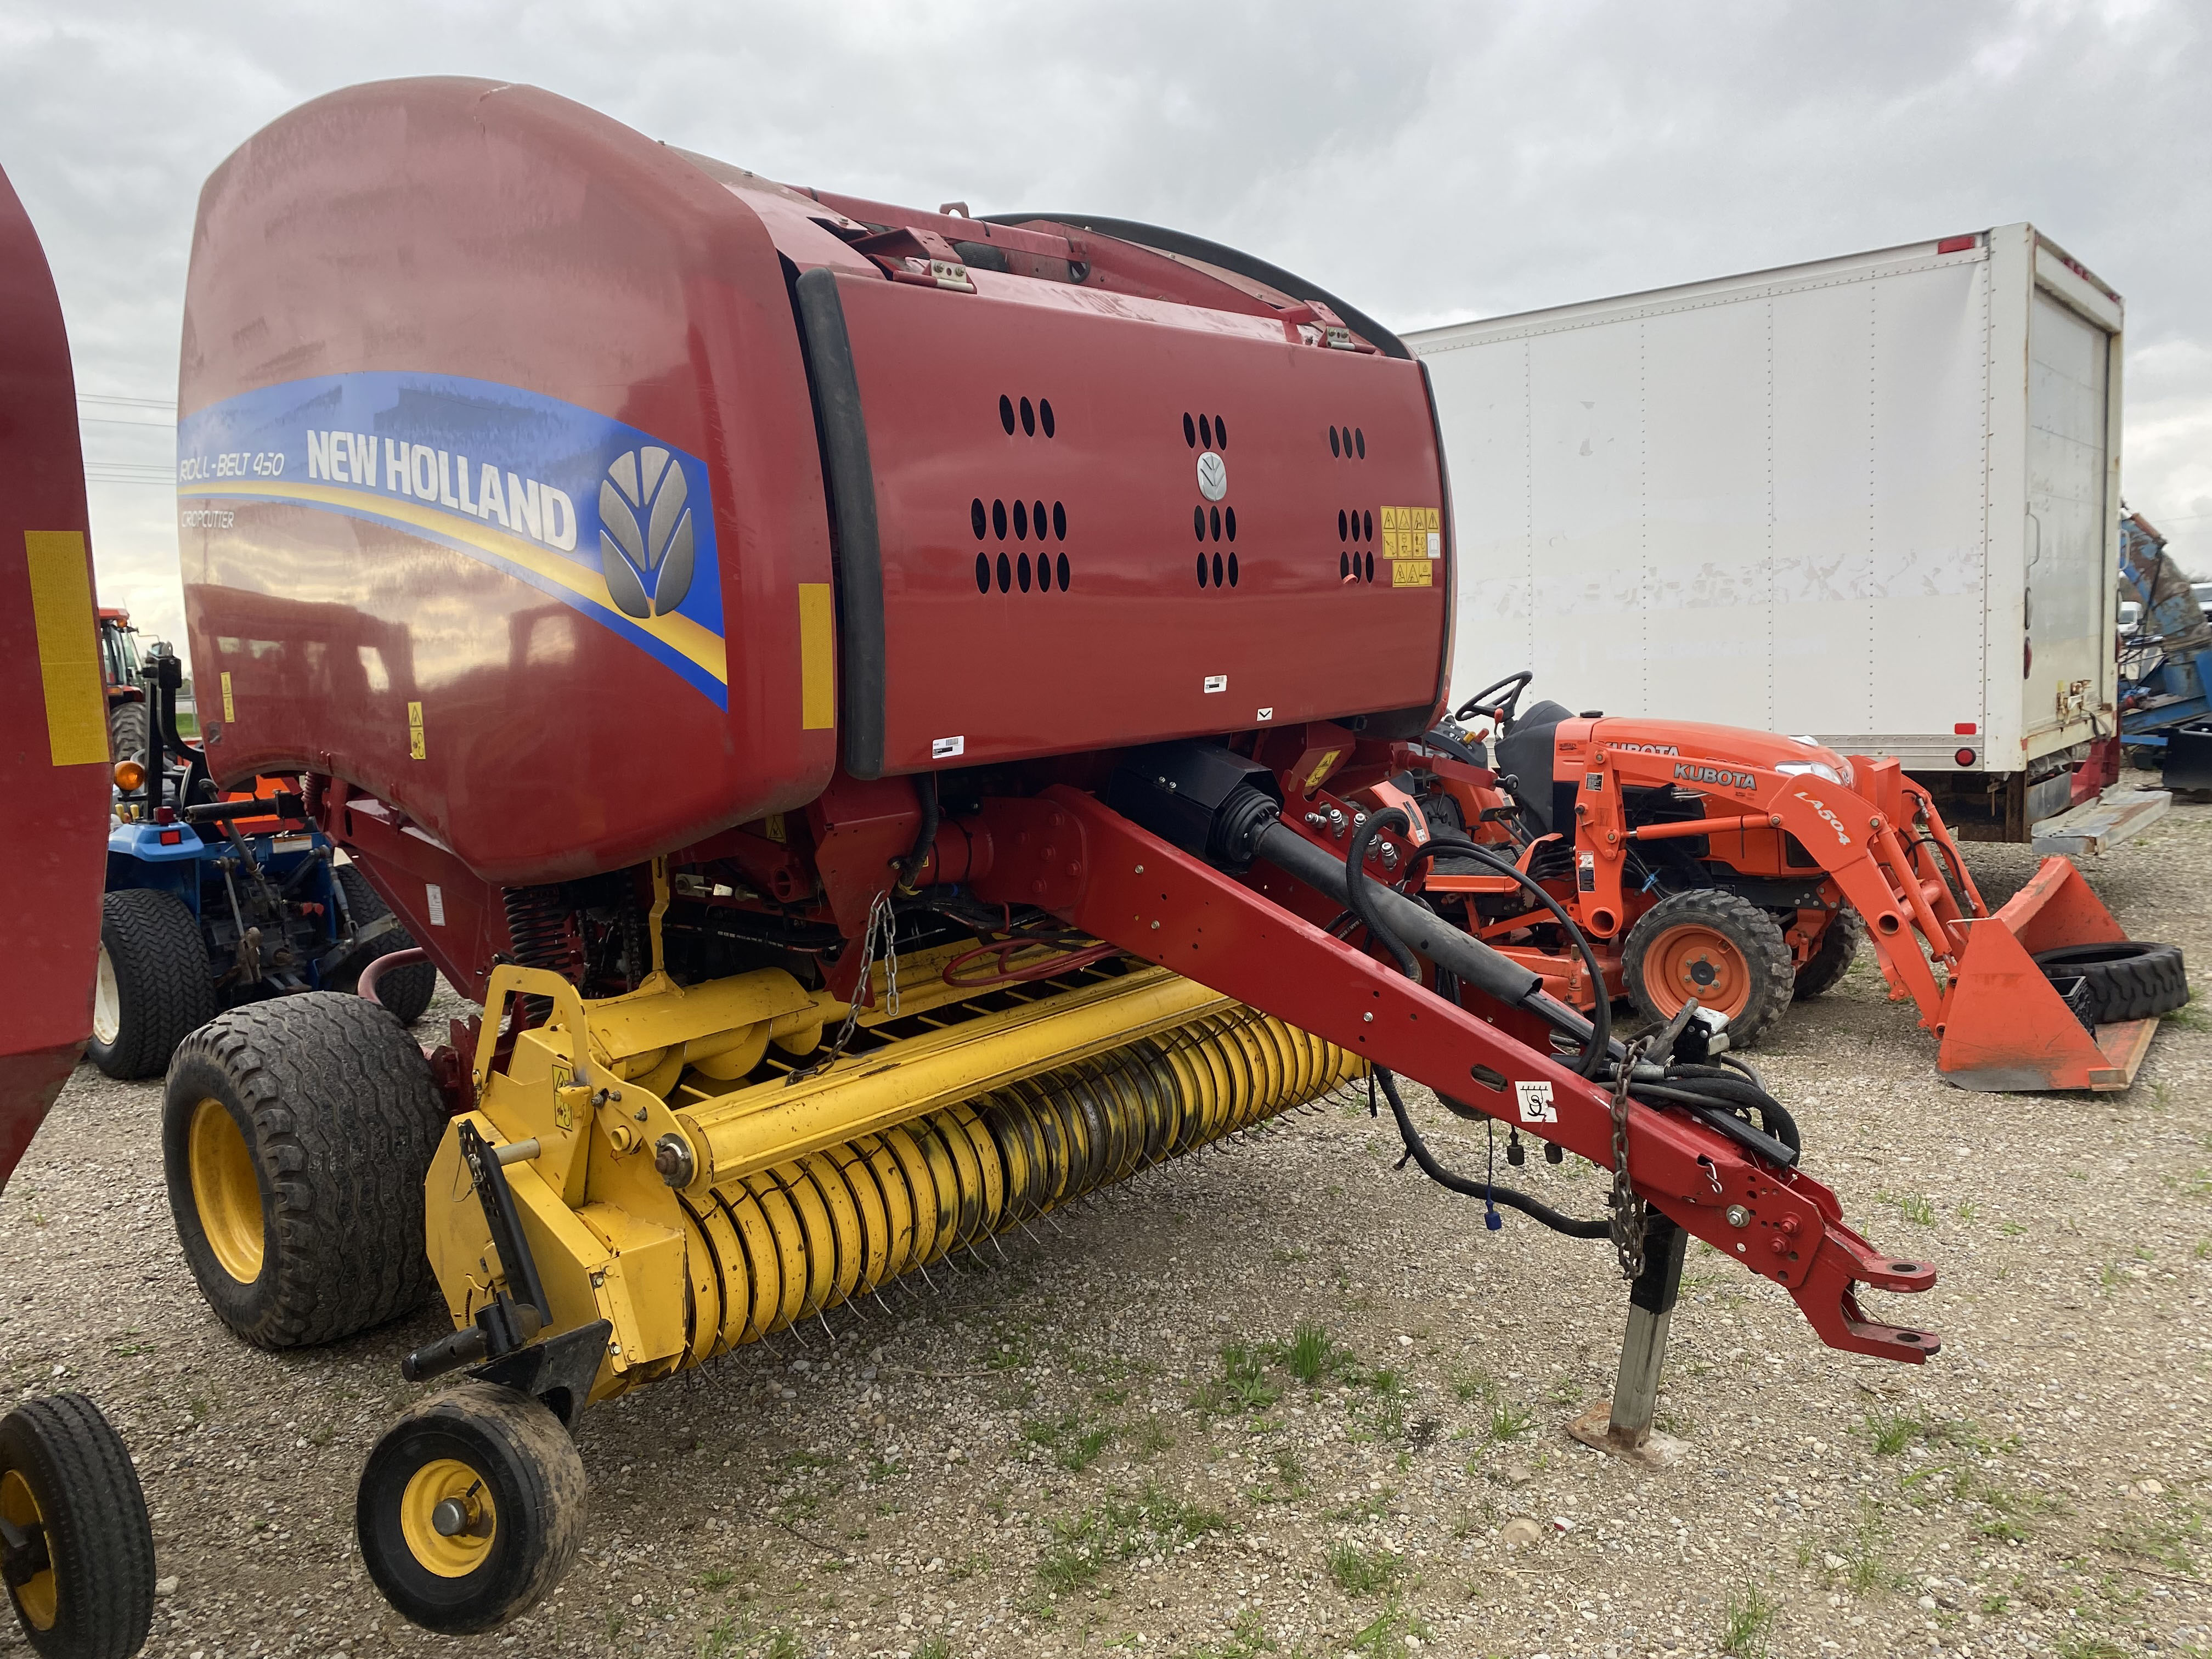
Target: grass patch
{"points": [[1247, 1637], [1311, 1356], [1073, 1446], [1745, 1620], [1362, 1572], [1387, 1633], [1120, 1527], [1243, 1384], [1892, 1431], [1508, 1423], [1470, 1385], [939, 1646]]}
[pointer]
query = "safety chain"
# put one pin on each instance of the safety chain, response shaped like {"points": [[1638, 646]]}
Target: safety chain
{"points": [[1628, 1210], [883, 924]]}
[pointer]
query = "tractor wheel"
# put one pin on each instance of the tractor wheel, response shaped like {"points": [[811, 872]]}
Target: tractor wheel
{"points": [[1713, 945], [1839, 943], [471, 1508], [296, 1134], [405, 991], [2128, 979], [127, 728], [153, 985], [82, 1578]]}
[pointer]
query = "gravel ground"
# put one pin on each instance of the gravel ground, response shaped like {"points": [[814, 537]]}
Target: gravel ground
{"points": [[1103, 1439]]}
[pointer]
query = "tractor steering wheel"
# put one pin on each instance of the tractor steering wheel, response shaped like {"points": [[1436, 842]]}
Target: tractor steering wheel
{"points": [[1488, 705]]}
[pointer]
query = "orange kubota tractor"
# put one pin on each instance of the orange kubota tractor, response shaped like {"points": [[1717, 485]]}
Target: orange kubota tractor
{"points": [[76, 1553], [1670, 861]]}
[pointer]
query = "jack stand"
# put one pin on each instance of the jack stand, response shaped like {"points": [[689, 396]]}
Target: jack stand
{"points": [[1622, 1425]]}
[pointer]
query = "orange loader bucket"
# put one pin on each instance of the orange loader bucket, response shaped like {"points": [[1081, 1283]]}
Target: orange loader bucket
{"points": [[2006, 1026], [53, 709]]}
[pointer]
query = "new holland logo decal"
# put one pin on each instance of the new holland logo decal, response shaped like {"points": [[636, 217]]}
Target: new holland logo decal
{"points": [[645, 532]]}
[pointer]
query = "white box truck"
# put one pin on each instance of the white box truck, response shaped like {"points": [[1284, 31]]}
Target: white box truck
{"points": [[1872, 499]]}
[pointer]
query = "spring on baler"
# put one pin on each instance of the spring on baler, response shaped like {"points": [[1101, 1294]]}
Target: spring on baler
{"points": [[806, 1236], [537, 931]]}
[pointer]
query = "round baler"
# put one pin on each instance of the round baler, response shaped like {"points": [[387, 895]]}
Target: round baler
{"points": [[885, 711]]}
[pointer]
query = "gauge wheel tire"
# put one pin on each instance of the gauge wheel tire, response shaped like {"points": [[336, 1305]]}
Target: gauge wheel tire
{"points": [[2127, 979], [1831, 958], [154, 984], [66, 1483], [470, 1509], [406, 992], [1715, 946], [127, 732], [296, 1134]]}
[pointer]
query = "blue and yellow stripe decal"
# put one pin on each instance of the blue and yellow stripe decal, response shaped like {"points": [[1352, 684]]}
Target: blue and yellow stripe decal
{"points": [[586, 509]]}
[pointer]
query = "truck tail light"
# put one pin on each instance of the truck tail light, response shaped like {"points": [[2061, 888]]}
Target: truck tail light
{"points": [[1956, 244], [1964, 729]]}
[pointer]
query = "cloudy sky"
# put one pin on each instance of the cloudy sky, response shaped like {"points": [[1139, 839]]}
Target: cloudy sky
{"points": [[1431, 162]]}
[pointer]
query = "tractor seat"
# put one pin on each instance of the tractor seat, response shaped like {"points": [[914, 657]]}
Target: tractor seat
{"points": [[1525, 753]]}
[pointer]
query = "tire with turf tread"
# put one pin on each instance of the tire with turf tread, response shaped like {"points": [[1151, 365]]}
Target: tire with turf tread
{"points": [[1685, 937], [315, 1117], [2127, 979], [406, 992], [1831, 958], [127, 729], [506, 1459], [65, 1471], [154, 983]]}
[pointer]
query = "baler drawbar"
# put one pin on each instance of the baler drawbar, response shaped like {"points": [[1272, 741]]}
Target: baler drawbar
{"points": [[802, 666]]}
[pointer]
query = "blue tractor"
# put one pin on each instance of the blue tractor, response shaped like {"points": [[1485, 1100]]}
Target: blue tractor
{"points": [[212, 902]]}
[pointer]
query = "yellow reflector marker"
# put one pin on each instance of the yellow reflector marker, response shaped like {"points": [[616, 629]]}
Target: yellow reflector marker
{"points": [[229, 708], [818, 658], [69, 646]]}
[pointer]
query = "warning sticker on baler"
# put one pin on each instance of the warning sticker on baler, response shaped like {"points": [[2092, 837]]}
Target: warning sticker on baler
{"points": [[1535, 1099], [1413, 533]]}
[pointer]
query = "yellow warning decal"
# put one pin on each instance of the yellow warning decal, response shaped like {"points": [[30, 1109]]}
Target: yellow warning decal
{"points": [[415, 749], [1320, 768], [1413, 533], [229, 708], [69, 646], [1412, 573], [818, 658]]}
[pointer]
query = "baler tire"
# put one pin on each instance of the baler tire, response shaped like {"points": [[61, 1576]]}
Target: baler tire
{"points": [[1750, 932], [506, 1461], [127, 729], [318, 1112], [155, 983], [65, 1470], [2128, 979], [406, 992], [1831, 958]]}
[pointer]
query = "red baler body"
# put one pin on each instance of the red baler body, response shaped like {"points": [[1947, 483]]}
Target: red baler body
{"points": [[402, 290]]}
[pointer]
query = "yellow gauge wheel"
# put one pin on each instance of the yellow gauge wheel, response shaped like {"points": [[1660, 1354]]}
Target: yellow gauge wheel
{"points": [[447, 1517], [37, 1597], [226, 1191]]}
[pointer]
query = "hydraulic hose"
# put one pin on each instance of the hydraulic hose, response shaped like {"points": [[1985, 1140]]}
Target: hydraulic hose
{"points": [[1597, 1046], [1413, 925], [1534, 1208], [1358, 884]]}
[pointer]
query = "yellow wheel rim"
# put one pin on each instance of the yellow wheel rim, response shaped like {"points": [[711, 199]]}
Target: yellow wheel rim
{"points": [[39, 1599], [226, 1191], [453, 1543]]}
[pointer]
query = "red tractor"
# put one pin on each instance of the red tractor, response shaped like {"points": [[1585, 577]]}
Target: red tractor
{"points": [[891, 715], [1668, 861]]}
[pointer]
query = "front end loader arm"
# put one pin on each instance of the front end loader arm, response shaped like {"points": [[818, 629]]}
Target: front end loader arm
{"points": [[1070, 853]]}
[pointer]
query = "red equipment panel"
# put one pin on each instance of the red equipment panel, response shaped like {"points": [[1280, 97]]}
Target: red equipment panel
{"points": [[1102, 520], [53, 712], [499, 494]]}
